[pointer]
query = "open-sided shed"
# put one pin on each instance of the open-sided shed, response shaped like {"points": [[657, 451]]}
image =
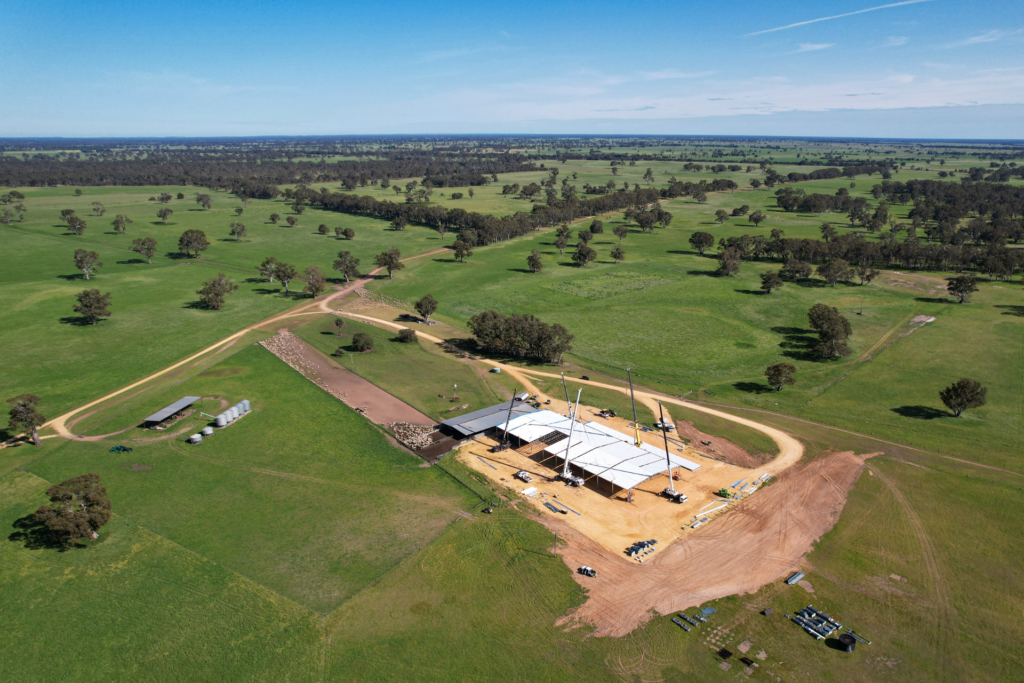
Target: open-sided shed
{"points": [[480, 421], [174, 408], [607, 457]]}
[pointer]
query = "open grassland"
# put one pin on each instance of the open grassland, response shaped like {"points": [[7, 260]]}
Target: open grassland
{"points": [[662, 313], [156, 315], [152, 609], [420, 374], [303, 495]]}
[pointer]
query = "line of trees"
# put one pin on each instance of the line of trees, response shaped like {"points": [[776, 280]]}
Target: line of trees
{"points": [[520, 336]]}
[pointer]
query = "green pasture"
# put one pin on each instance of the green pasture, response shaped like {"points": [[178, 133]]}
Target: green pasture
{"points": [[302, 495], [420, 374], [155, 315]]}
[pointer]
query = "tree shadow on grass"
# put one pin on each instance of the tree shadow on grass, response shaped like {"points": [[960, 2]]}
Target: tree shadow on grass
{"points": [[36, 536], [683, 253], [76, 320], [753, 388], [708, 273], [749, 291], [177, 256], [797, 342], [265, 290], [131, 261], [1013, 310], [808, 283], [71, 278], [920, 412], [932, 300], [520, 270]]}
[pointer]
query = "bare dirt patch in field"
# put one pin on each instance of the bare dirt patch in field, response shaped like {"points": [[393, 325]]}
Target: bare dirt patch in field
{"points": [[758, 542], [364, 396], [719, 447]]}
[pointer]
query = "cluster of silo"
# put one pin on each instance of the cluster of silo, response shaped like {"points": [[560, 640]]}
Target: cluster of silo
{"points": [[233, 413]]}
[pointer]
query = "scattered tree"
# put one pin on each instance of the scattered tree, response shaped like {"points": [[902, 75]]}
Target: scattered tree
{"points": [[98, 208], [238, 231], [961, 287], [204, 201], [23, 416], [92, 305], [585, 236], [323, 229], [828, 232], [121, 223], [316, 284], [770, 281], [390, 260], [291, 221], [347, 233], [76, 225], [362, 342], [795, 270], [833, 331], [87, 262], [701, 241], [618, 253], [462, 250], [757, 218], [192, 242], [239, 210], [268, 268], [780, 374], [583, 255], [596, 227], [213, 291], [145, 246], [399, 223], [347, 265], [407, 336], [561, 242], [867, 274], [78, 508], [164, 213], [834, 271], [274, 218], [721, 216], [963, 394], [339, 325], [285, 274], [426, 306], [620, 231], [534, 262], [728, 262]]}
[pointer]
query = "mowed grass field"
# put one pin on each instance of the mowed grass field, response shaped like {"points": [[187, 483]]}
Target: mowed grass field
{"points": [[155, 315]]}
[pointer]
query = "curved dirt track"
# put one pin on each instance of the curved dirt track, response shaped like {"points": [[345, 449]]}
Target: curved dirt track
{"points": [[59, 423], [758, 542], [790, 449]]}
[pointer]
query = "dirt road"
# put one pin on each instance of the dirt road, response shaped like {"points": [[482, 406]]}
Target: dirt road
{"points": [[757, 543], [59, 423]]}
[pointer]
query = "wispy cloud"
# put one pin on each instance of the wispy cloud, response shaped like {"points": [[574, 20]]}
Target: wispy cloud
{"points": [[986, 37], [672, 73], [812, 47], [837, 16], [896, 41]]}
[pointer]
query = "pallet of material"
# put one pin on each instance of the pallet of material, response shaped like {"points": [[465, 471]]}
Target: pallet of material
{"points": [[680, 624], [551, 507], [530, 492]]}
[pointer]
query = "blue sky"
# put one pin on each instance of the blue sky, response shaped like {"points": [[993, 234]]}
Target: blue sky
{"points": [[917, 68]]}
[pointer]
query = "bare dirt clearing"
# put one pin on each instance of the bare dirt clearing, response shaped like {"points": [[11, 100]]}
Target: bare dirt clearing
{"points": [[721, 448], [756, 543]]}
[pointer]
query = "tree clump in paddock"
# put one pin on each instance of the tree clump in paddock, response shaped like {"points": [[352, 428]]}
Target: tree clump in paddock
{"points": [[362, 342], [213, 291], [192, 242], [92, 305], [780, 374], [520, 335], [23, 416], [78, 508], [407, 336], [963, 394], [426, 307], [962, 287], [833, 330]]}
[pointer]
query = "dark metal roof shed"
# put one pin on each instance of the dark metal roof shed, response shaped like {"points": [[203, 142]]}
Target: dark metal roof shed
{"points": [[486, 418], [163, 414]]}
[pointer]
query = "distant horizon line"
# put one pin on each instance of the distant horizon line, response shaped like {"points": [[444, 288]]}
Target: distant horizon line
{"points": [[322, 136]]}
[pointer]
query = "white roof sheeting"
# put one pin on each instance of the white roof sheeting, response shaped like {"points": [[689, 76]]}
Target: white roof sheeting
{"points": [[597, 449]]}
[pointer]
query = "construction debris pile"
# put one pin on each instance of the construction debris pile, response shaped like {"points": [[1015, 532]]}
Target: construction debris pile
{"points": [[413, 436], [289, 348], [816, 622], [641, 548]]}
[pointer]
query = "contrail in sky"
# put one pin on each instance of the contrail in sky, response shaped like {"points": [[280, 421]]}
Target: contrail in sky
{"points": [[838, 16]]}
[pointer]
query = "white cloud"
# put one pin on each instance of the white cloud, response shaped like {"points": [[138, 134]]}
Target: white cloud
{"points": [[986, 37], [837, 16], [812, 47], [896, 41]]}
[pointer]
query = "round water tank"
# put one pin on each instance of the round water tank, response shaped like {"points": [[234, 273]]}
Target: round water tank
{"points": [[240, 408], [233, 412], [848, 642], [245, 402], [196, 438], [221, 420], [207, 431]]}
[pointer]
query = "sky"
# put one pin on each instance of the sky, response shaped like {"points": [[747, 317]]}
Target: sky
{"points": [[851, 68]]}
